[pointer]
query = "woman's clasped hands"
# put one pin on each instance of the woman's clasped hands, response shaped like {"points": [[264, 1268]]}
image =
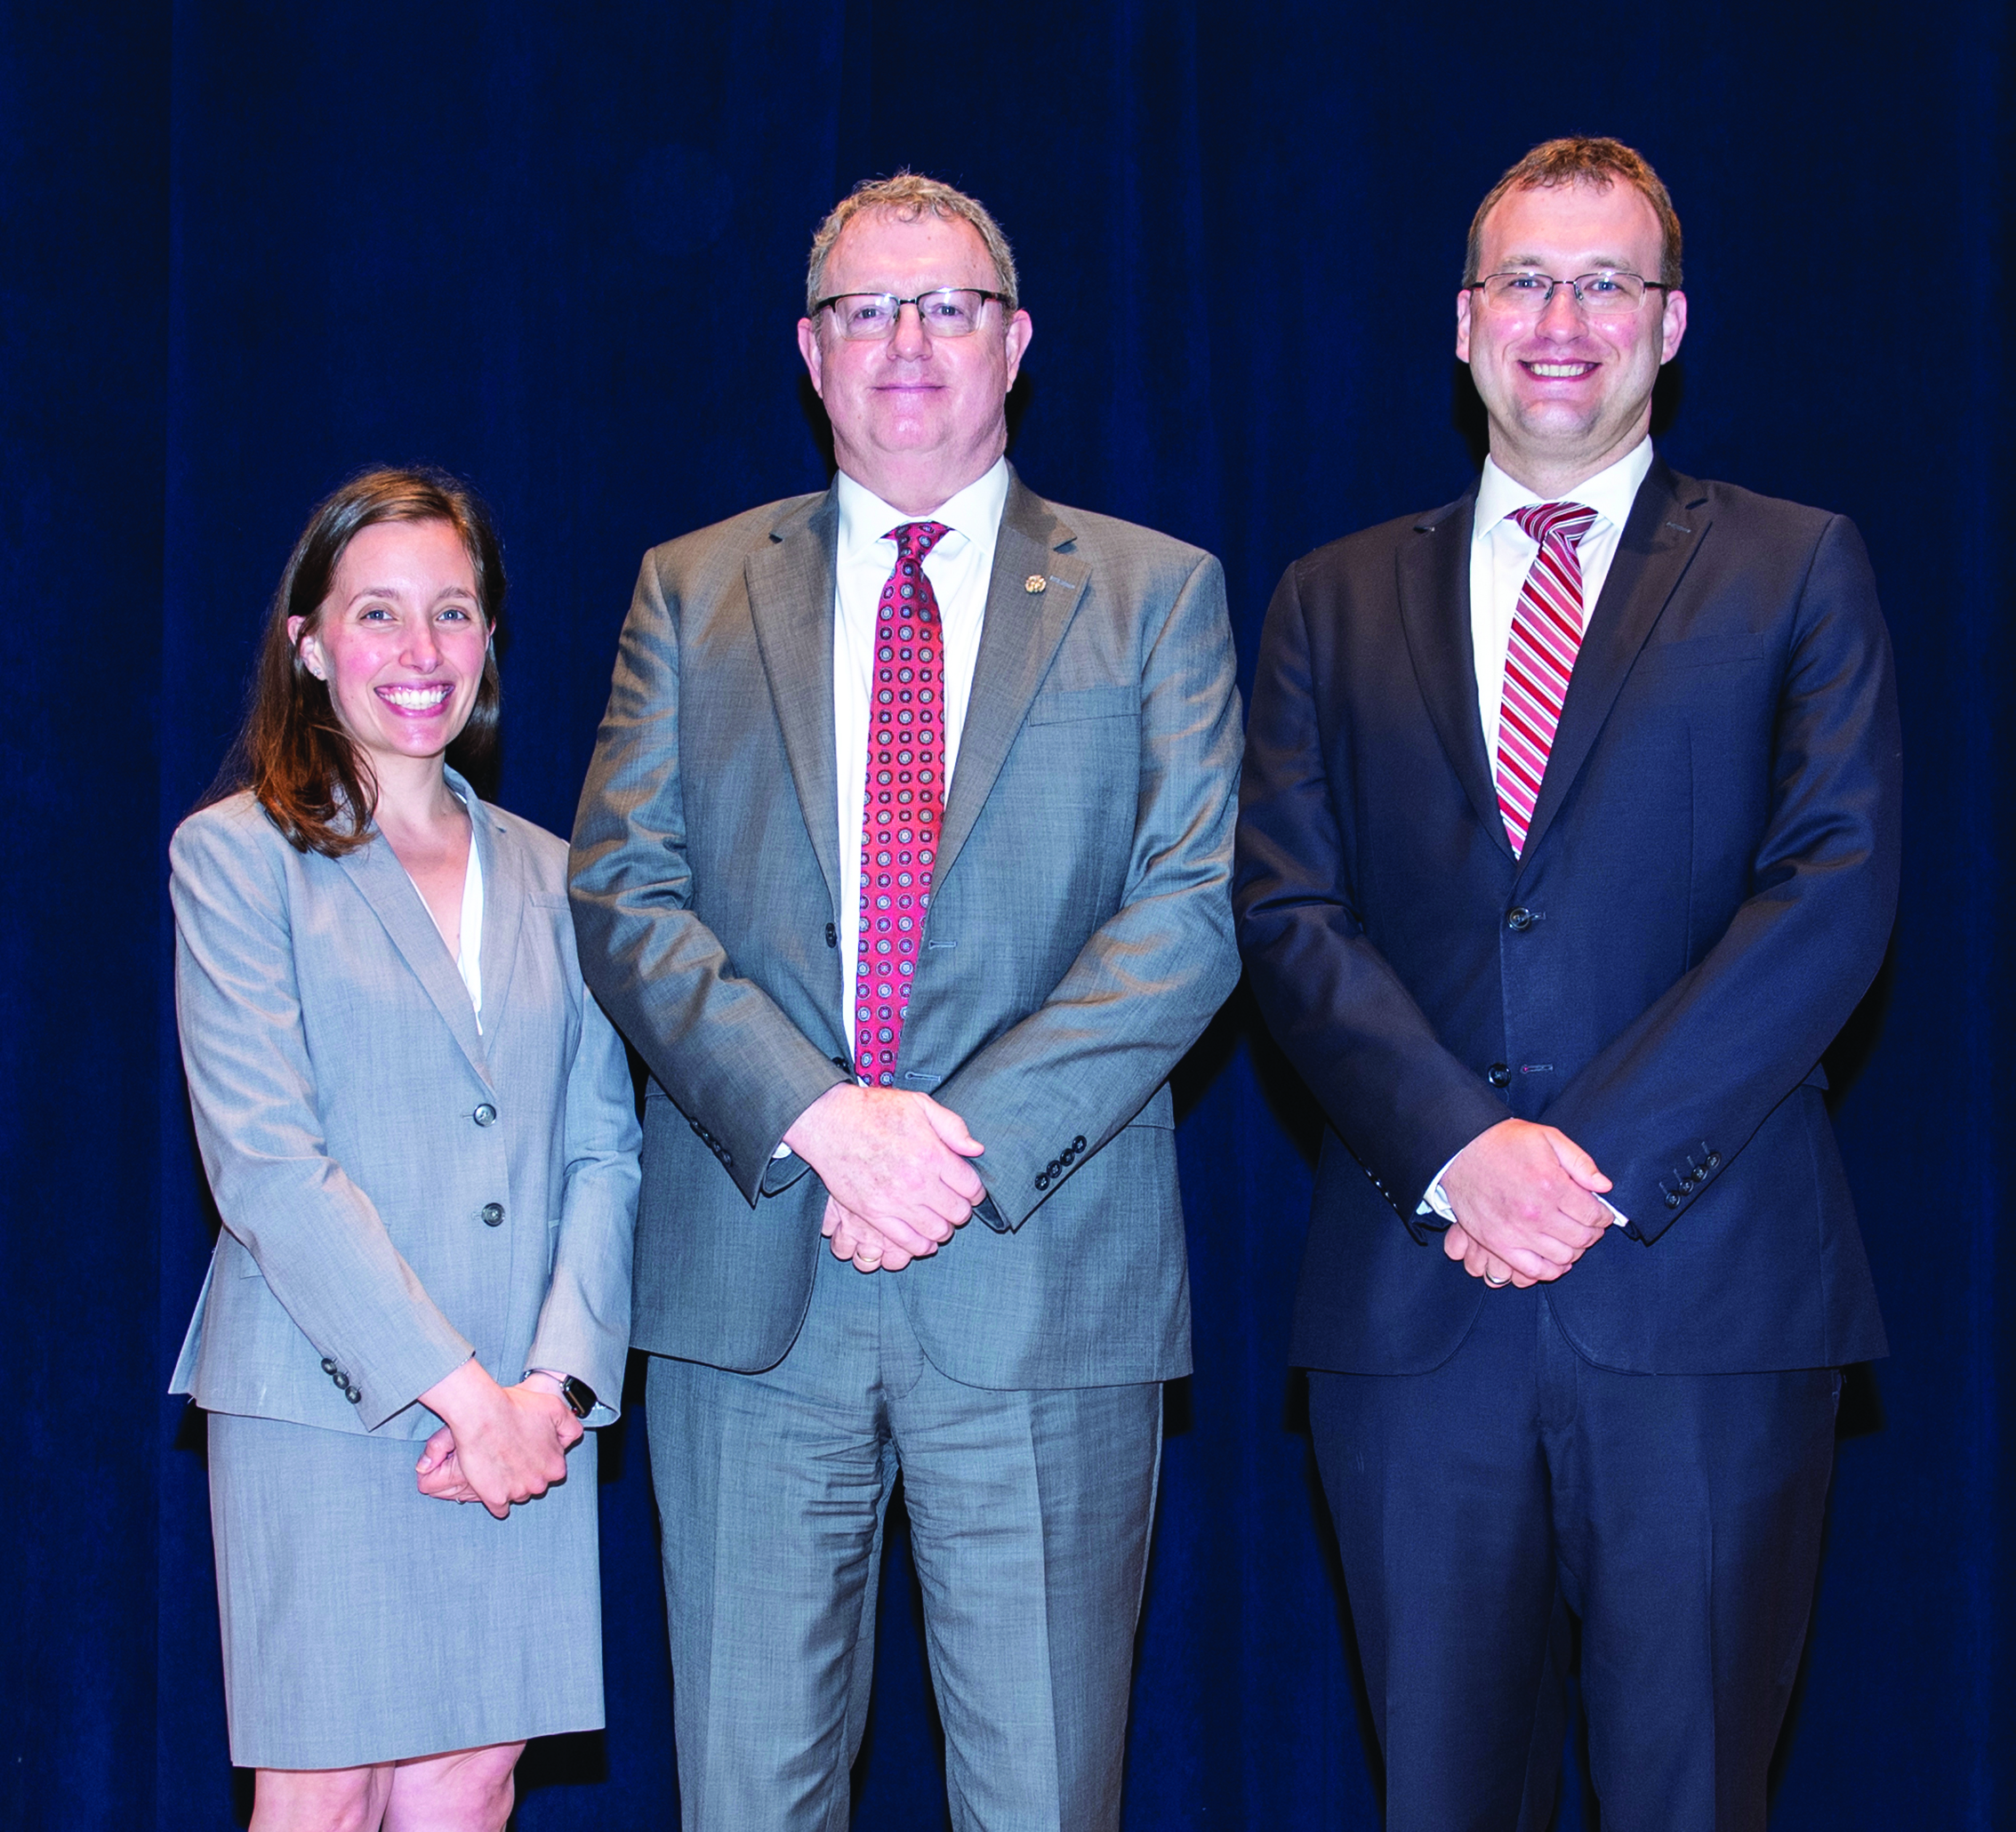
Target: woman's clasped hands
{"points": [[500, 1444]]}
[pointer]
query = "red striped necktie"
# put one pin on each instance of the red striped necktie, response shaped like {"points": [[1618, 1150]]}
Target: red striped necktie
{"points": [[1546, 632], [905, 795]]}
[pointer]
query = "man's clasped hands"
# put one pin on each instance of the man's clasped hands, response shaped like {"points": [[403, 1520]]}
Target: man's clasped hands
{"points": [[1527, 1201], [896, 1171]]}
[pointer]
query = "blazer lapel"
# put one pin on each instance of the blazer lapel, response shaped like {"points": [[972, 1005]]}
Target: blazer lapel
{"points": [[1434, 610], [504, 889], [1018, 639], [790, 584], [383, 882], [1653, 552]]}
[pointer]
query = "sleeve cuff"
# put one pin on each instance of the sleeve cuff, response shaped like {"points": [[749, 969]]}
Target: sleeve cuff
{"points": [[785, 1168]]}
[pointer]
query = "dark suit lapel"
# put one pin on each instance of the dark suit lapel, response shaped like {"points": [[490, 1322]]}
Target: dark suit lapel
{"points": [[1659, 540], [790, 584], [383, 882], [1434, 611], [1019, 637]]}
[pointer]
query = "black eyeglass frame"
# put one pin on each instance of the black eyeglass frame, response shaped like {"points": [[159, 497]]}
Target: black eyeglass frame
{"points": [[1573, 286], [979, 293]]}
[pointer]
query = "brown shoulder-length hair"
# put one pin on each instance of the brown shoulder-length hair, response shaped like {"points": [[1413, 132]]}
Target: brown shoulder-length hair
{"points": [[293, 752]]}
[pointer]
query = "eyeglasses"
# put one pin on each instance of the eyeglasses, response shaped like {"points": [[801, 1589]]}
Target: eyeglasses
{"points": [[948, 311], [1609, 293]]}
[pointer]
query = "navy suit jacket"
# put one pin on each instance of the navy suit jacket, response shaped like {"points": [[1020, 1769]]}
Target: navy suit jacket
{"points": [[1706, 892]]}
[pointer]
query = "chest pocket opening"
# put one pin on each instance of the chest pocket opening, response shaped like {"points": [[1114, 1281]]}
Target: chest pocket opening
{"points": [[1061, 705]]}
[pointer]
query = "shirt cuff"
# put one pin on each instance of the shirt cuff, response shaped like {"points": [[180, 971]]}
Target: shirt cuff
{"points": [[1435, 1202]]}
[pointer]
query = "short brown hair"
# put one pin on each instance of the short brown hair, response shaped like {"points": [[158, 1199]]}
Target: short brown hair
{"points": [[1581, 160], [907, 195], [293, 752]]}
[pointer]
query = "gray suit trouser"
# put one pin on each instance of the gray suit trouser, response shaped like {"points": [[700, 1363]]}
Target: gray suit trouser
{"points": [[1030, 1515]]}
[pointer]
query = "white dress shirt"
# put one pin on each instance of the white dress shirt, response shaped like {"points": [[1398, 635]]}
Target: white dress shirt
{"points": [[1501, 555], [1502, 552], [959, 568]]}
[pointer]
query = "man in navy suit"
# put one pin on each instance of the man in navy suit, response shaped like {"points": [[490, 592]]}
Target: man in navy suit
{"points": [[1569, 841]]}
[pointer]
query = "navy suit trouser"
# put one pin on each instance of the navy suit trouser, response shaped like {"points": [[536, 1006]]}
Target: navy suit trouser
{"points": [[1677, 1516]]}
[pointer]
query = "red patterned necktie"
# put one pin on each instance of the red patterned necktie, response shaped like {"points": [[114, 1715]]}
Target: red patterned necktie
{"points": [[899, 813], [1546, 632]]}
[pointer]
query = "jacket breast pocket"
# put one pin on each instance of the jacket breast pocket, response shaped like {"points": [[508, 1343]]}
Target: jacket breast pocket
{"points": [[1062, 705], [1691, 652]]}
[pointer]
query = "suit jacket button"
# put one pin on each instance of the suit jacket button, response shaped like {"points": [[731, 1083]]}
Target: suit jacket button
{"points": [[353, 1396], [1712, 1161], [485, 1115], [1520, 920], [1673, 1199], [1043, 1179], [1078, 1144], [493, 1215], [1498, 1075], [328, 1367]]}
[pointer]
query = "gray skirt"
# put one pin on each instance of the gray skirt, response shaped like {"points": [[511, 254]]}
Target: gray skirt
{"points": [[365, 1622]]}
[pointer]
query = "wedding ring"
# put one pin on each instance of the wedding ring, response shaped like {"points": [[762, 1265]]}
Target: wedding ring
{"points": [[1498, 1284]]}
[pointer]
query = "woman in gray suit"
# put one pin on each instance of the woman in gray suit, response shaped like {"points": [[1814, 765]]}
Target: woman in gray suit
{"points": [[418, 1127]]}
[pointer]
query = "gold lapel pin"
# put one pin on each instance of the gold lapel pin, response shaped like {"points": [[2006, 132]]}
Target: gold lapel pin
{"points": [[1035, 583]]}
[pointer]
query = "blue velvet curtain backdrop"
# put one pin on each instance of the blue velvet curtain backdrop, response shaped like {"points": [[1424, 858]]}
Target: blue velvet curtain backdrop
{"points": [[249, 248]]}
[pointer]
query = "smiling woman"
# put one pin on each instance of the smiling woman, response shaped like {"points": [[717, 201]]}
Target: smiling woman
{"points": [[294, 755], [418, 1128]]}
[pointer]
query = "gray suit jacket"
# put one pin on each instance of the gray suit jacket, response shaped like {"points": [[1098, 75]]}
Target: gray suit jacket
{"points": [[1078, 940], [398, 1190]]}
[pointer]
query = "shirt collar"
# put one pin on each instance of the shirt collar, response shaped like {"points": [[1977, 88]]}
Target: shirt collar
{"points": [[975, 512], [1609, 492]]}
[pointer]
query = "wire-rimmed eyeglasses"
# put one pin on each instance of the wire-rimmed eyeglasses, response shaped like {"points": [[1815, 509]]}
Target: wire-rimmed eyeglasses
{"points": [[1609, 290], [945, 311]]}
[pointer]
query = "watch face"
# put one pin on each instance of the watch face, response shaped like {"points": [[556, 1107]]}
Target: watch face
{"points": [[580, 1396]]}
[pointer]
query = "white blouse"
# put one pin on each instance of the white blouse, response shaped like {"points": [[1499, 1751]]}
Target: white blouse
{"points": [[469, 956]]}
